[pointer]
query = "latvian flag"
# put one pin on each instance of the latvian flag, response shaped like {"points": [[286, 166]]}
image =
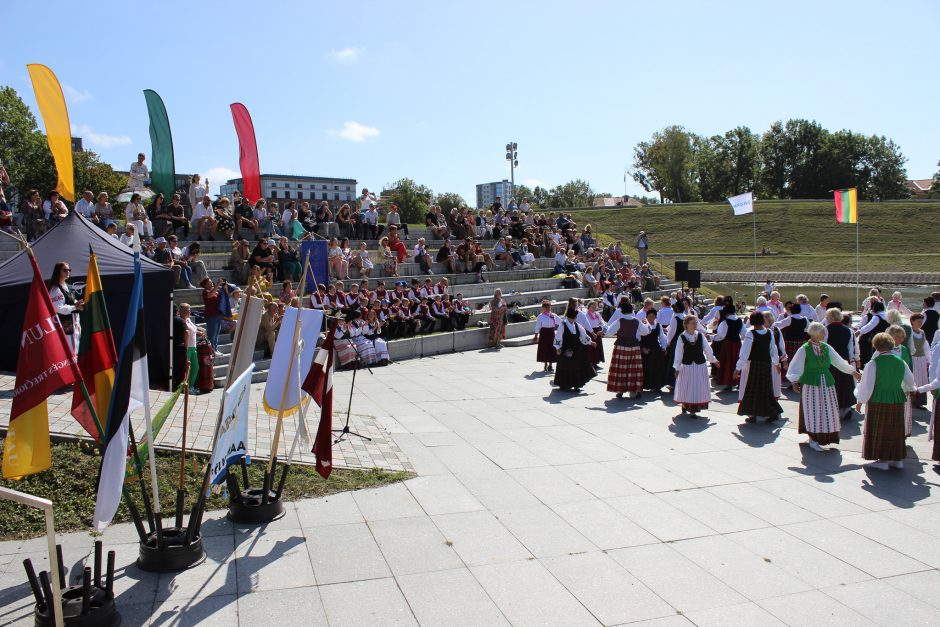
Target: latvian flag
{"points": [[319, 385], [129, 393]]}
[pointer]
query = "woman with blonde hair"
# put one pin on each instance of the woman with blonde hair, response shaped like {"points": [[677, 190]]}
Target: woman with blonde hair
{"points": [[810, 375], [883, 389], [497, 319]]}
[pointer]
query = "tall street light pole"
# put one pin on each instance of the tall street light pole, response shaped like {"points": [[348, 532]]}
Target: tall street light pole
{"points": [[512, 156]]}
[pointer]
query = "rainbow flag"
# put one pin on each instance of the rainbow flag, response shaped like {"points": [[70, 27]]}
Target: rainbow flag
{"points": [[846, 206], [96, 355]]}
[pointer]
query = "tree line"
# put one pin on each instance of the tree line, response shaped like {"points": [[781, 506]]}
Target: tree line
{"points": [[27, 159], [795, 159]]}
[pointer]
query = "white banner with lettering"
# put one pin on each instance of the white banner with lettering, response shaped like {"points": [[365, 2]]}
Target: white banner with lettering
{"points": [[232, 444], [742, 203]]}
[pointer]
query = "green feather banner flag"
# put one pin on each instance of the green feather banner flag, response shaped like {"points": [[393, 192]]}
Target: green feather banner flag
{"points": [[143, 447], [163, 168]]}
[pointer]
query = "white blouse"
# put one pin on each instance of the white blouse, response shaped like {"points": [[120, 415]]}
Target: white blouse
{"points": [[692, 337], [573, 327]]}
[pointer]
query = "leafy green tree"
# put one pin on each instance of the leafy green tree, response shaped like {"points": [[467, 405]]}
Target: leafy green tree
{"points": [[576, 193], [412, 199], [450, 200], [727, 164], [774, 163], [523, 191], [92, 174], [887, 174], [666, 164], [806, 142], [539, 197]]}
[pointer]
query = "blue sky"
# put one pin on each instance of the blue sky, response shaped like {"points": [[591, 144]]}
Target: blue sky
{"points": [[434, 90]]}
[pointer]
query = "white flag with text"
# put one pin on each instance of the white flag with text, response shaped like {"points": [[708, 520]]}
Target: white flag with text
{"points": [[742, 203]]}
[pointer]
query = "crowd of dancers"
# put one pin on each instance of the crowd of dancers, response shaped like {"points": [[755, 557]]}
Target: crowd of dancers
{"points": [[883, 365]]}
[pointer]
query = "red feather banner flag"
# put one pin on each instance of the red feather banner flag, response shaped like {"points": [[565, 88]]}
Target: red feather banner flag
{"points": [[319, 385], [247, 152]]}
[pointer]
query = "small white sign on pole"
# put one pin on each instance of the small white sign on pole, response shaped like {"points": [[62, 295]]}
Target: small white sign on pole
{"points": [[742, 204]]}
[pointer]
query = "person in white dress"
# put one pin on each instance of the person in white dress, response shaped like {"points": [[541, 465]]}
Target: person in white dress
{"points": [[136, 213], [138, 174], [692, 356]]}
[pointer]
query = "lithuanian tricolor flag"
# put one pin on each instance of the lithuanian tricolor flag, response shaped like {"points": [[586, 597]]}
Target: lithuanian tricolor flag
{"points": [[846, 206], [96, 355]]}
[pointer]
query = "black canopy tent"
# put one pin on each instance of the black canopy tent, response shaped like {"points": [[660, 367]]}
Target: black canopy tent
{"points": [[69, 241]]}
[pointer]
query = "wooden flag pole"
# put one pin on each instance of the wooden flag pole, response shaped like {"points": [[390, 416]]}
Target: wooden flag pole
{"points": [[180, 490], [280, 410]]}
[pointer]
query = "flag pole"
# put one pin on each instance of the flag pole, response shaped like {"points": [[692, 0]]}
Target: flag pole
{"points": [[180, 492], [280, 410], [756, 280], [857, 266]]}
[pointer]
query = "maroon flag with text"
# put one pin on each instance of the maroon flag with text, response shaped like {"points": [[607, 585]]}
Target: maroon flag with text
{"points": [[319, 385]]}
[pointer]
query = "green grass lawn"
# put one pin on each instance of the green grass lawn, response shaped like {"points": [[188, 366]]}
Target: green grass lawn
{"points": [[807, 233], [816, 263], [70, 485]]}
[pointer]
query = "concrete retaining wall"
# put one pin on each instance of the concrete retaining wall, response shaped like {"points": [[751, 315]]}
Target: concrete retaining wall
{"points": [[873, 278]]}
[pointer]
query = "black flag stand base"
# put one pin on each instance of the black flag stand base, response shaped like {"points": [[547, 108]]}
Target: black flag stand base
{"points": [[253, 506], [169, 549], [87, 603]]}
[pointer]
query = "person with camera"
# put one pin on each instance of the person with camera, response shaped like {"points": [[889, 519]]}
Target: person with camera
{"points": [[66, 302]]}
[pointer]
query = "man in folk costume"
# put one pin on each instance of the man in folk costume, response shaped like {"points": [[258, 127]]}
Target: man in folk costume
{"points": [[841, 339], [571, 343], [730, 333], [810, 375], [758, 363], [919, 348], [883, 387], [931, 316], [693, 354], [793, 327], [66, 303], [877, 323], [546, 323], [626, 363]]}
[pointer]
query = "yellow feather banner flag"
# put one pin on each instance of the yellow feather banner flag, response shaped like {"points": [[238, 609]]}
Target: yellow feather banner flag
{"points": [[58, 132]]}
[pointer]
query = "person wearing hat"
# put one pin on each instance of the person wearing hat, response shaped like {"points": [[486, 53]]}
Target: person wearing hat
{"points": [[642, 247]]}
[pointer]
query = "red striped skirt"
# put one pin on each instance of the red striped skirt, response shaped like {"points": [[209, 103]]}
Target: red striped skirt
{"points": [[626, 370], [883, 433], [727, 360], [819, 413]]}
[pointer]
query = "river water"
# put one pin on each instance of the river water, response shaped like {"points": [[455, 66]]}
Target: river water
{"points": [[911, 295]]}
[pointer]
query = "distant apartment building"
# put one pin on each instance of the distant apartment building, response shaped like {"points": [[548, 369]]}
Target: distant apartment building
{"points": [[487, 193], [313, 189]]}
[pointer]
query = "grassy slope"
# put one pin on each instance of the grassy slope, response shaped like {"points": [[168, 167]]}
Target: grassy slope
{"points": [[70, 484], [805, 234]]}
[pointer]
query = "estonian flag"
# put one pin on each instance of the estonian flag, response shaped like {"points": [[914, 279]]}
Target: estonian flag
{"points": [[130, 392]]}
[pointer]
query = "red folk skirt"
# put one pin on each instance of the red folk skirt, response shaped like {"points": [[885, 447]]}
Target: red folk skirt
{"points": [[727, 360], [546, 351], [626, 370]]}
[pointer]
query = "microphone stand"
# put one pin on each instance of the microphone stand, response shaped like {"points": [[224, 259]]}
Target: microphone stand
{"points": [[345, 431]]}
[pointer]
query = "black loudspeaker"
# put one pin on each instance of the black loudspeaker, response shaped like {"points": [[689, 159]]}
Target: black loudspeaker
{"points": [[693, 278], [682, 269]]}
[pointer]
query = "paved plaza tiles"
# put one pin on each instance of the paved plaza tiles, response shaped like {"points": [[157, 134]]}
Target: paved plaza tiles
{"points": [[537, 507]]}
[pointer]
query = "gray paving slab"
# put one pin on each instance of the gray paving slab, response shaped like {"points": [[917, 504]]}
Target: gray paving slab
{"points": [[376, 602], [450, 598]]}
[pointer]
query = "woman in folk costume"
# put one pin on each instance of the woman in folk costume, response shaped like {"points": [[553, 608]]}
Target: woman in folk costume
{"points": [[373, 331], [934, 394], [597, 328], [572, 342], [758, 364], [730, 333], [777, 339], [901, 350], [626, 364], [693, 354], [877, 323], [895, 304], [546, 323], [841, 339], [920, 357], [676, 324], [819, 404], [793, 327], [882, 388], [653, 351], [66, 303]]}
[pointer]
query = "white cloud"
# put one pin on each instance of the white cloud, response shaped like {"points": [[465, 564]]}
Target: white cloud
{"points": [[75, 96], [218, 176], [532, 183], [102, 140], [346, 55], [356, 132]]}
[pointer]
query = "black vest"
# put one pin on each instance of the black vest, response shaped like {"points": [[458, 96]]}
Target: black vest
{"points": [[840, 338], [796, 332], [692, 353], [626, 334], [651, 339], [760, 346], [931, 324], [734, 329]]}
